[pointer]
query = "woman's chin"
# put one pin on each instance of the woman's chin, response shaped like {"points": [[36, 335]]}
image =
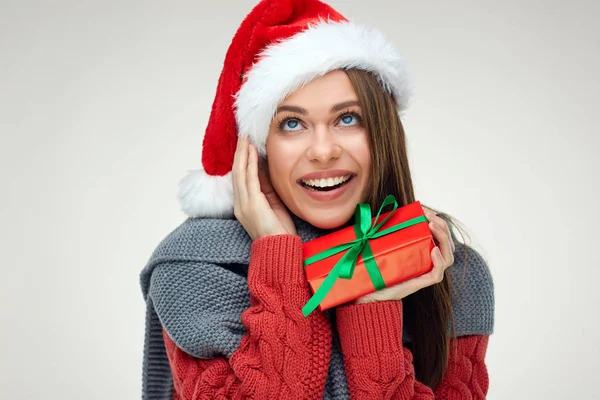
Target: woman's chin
{"points": [[326, 220]]}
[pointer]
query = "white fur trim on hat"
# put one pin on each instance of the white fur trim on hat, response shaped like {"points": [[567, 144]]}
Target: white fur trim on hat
{"points": [[323, 47], [203, 195]]}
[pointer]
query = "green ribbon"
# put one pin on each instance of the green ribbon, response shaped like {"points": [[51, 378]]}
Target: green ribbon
{"points": [[365, 230]]}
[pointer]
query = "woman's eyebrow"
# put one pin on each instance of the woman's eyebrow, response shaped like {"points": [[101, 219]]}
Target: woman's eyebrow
{"points": [[295, 109], [303, 111], [345, 104]]}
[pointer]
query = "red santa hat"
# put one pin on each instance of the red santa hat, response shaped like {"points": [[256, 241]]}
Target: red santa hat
{"points": [[280, 46]]}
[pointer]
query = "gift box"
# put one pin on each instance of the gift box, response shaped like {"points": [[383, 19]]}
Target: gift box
{"points": [[374, 253]]}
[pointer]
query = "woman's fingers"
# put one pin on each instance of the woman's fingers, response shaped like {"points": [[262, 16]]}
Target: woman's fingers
{"points": [[447, 229], [443, 244], [240, 164], [404, 289], [442, 257], [234, 177], [439, 264], [251, 207], [441, 233], [252, 181], [263, 178], [433, 217]]}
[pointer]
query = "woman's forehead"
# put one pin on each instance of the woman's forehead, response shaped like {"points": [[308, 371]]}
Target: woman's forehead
{"points": [[327, 91]]}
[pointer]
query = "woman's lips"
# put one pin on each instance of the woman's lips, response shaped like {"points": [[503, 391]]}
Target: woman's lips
{"points": [[330, 173], [328, 195]]}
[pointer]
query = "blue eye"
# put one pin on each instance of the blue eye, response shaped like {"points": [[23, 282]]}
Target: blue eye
{"points": [[290, 124], [349, 120]]}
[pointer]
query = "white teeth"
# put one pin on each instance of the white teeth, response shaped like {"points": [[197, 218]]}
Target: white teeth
{"points": [[326, 182]]}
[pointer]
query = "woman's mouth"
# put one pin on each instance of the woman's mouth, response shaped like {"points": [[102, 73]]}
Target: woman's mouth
{"points": [[326, 184]]}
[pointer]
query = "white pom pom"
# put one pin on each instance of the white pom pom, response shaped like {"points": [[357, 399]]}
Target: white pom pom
{"points": [[203, 195]]}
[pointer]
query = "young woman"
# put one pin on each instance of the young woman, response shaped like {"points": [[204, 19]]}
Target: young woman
{"points": [[316, 131]]}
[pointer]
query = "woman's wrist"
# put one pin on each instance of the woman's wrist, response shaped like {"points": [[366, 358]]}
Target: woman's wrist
{"points": [[272, 235], [369, 329], [277, 259]]}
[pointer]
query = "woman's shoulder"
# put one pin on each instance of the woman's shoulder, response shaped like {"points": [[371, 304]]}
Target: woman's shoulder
{"points": [[206, 239], [195, 285], [199, 246], [472, 289]]}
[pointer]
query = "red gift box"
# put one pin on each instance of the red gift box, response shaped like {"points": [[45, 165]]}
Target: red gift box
{"points": [[399, 256]]}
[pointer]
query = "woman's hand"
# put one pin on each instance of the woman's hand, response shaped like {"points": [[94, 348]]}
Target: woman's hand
{"points": [[256, 204], [442, 256]]}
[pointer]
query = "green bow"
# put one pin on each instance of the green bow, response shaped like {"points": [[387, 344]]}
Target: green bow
{"points": [[365, 231]]}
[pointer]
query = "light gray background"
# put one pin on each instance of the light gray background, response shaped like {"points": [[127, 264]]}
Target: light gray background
{"points": [[103, 105]]}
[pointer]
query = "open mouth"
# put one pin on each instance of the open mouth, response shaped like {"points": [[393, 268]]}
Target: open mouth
{"points": [[326, 185]]}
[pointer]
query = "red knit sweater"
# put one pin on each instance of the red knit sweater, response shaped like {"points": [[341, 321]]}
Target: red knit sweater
{"points": [[286, 356]]}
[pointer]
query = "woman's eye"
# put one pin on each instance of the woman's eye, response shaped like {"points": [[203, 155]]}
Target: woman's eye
{"points": [[290, 125], [348, 120]]}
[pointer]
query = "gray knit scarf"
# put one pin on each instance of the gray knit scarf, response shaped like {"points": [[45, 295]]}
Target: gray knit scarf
{"points": [[195, 286]]}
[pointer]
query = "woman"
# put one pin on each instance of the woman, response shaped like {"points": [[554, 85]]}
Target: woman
{"points": [[316, 114]]}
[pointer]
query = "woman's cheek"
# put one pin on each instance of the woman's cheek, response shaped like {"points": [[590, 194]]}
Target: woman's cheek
{"points": [[280, 172], [359, 149]]}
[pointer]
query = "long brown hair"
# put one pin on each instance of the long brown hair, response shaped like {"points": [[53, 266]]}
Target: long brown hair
{"points": [[428, 312]]}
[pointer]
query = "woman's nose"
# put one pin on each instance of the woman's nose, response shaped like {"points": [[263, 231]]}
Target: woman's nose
{"points": [[324, 146]]}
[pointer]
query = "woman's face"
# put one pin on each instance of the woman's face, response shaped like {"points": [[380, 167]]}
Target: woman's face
{"points": [[318, 153]]}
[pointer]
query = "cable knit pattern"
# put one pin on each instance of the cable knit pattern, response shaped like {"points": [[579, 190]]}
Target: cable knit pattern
{"points": [[283, 355], [378, 366], [228, 318]]}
